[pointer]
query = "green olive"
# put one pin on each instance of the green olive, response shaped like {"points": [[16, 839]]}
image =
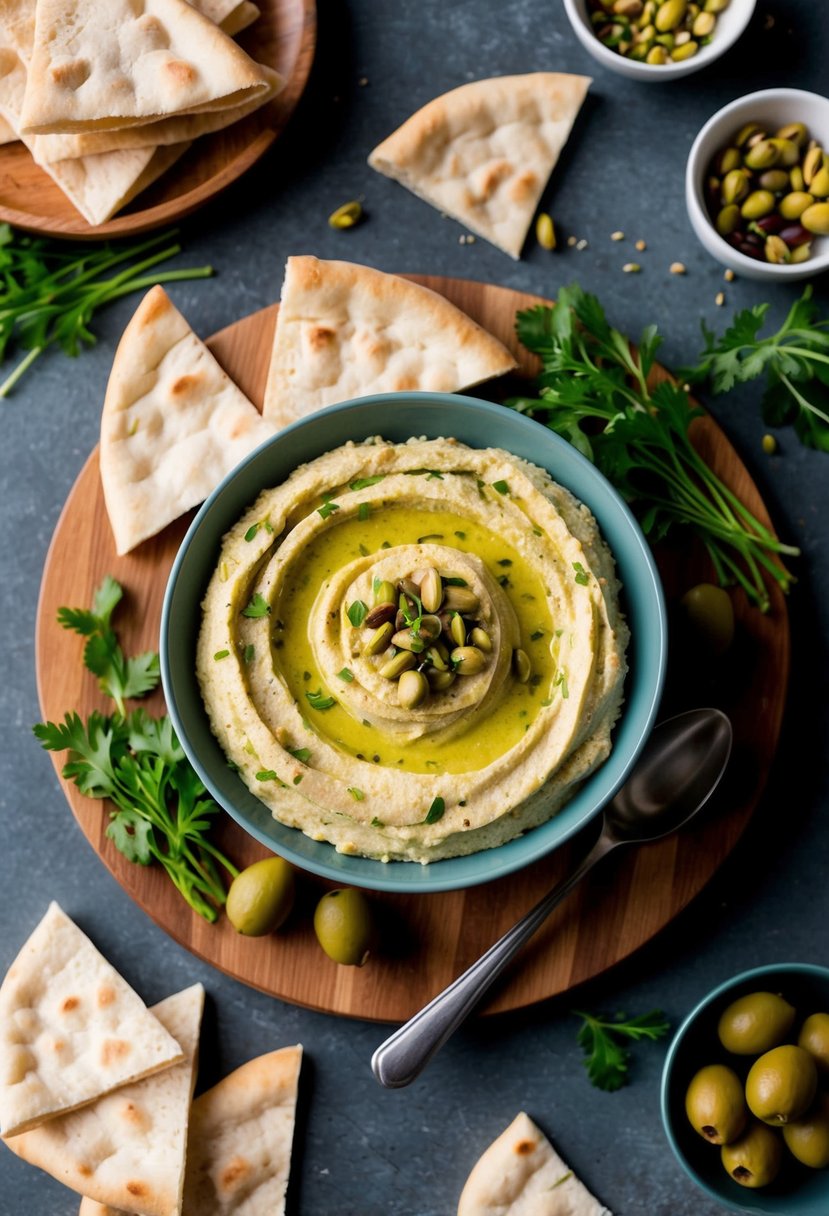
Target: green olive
{"points": [[816, 219], [755, 1023], [814, 1038], [755, 1159], [788, 152], [763, 155], [758, 204], [727, 160], [715, 1104], [819, 185], [261, 897], [735, 186], [385, 592], [807, 1138], [670, 14], [794, 204], [794, 131], [728, 219], [781, 1084], [343, 925], [710, 613], [776, 180]]}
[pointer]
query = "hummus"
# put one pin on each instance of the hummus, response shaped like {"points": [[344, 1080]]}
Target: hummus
{"points": [[308, 714]]}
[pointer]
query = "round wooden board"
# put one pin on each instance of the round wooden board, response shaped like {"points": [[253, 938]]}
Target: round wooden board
{"points": [[429, 938], [283, 37]]}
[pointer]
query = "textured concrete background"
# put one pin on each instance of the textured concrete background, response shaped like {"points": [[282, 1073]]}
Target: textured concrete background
{"points": [[361, 1151]]}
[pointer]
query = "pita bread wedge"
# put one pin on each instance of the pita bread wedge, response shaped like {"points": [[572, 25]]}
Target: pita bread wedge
{"points": [[521, 1174], [239, 1149], [71, 1028], [484, 152], [97, 185], [173, 423], [128, 1149], [231, 15], [47, 149], [345, 330], [90, 1207], [96, 66], [7, 132]]}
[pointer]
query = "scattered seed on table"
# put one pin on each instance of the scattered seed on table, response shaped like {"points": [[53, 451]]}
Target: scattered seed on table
{"points": [[631, 268], [363, 81], [769, 445], [677, 268], [582, 244], [470, 240], [641, 246], [617, 236], [719, 299], [571, 240], [729, 276]]}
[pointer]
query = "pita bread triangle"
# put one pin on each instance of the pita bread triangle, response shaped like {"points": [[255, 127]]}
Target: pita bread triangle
{"points": [[173, 423], [96, 66], [484, 152], [239, 1148], [345, 330], [128, 1149], [73, 1029], [521, 1174]]}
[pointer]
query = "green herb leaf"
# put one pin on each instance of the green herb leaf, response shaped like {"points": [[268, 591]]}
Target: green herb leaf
{"points": [[501, 486], [248, 653], [221, 654], [346, 674], [606, 1058], [582, 577], [356, 794], [357, 613], [455, 580], [362, 483], [303, 754], [377, 823], [327, 508], [319, 700], [266, 774], [363, 512], [258, 607], [252, 531], [435, 811], [594, 392]]}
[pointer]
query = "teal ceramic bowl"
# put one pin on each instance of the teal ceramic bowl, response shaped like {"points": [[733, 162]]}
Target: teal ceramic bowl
{"points": [[797, 1190], [479, 424]]}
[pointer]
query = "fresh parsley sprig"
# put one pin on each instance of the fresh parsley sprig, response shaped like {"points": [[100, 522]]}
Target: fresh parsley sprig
{"points": [[606, 1059], [160, 811], [49, 290], [595, 392], [794, 360]]}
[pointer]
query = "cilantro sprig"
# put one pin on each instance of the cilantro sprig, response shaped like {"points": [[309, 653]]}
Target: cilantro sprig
{"points": [[50, 290], [606, 1057], [160, 810], [794, 360], [595, 392]]}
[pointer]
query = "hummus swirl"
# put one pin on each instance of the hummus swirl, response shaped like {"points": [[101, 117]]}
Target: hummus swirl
{"points": [[298, 700]]}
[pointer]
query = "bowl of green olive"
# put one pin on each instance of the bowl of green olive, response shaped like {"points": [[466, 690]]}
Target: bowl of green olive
{"points": [[757, 185], [745, 1091], [657, 40]]}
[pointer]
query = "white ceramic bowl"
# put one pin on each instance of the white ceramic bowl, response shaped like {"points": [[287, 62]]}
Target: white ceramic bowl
{"points": [[730, 25], [772, 108]]}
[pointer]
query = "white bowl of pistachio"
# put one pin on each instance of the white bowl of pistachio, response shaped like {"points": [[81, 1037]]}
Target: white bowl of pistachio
{"points": [[658, 40]]}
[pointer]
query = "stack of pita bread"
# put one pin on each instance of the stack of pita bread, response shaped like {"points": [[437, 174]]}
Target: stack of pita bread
{"points": [[97, 1090], [484, 152], [521, 1174], [174, 424], [106, 96]]}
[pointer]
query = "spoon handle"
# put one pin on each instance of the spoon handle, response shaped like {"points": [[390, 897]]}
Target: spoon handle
{"points": [[405, 1054]]}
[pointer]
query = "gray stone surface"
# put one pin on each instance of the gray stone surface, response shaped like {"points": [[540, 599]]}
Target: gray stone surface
{"points": [[361, 1151]]}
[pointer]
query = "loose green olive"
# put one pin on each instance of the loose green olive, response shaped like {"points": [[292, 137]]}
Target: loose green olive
{"points": [[776, 180], [755, 1159], [343, 925], [816, 219], [780, 1085], [715, 1104], [735, 186], [710, 613], [763, 155], [807, 1138], [755, 1023], [794, 204], [261, 897], [758, 204], [728, 219], [814, 1038]]}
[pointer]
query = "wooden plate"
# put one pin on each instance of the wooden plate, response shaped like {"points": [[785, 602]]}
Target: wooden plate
{"points": [[429, 938], [283, 37]]}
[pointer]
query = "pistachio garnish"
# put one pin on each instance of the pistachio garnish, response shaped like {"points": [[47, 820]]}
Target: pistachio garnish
{"points": [[381, 614], [468, 660], [431, 590], [461, 599], [457, 629], [402, 661], [379, 640], [480, 638], [521, 665], [412, 689], [346, 216]]}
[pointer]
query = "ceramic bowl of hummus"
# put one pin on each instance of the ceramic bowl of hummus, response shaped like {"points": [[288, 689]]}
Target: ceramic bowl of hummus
{"points": [[413, 642]]}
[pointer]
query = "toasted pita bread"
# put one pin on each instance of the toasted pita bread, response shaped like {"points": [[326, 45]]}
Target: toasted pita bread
{"points": [[90, 1207], [345, 330], [47, 149], [239, 1149], [231, 15], [97, 185], [173, 423], [128, 1149], [71, 1029], [7, 132], [521, 1174], [484, 152], [98, 66]]}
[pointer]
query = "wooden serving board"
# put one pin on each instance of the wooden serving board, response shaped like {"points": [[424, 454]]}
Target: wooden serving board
{"points": [[428, 939], [284, 37]]}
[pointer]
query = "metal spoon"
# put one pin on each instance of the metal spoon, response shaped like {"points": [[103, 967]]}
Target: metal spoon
{"points": [[678, 770]]}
